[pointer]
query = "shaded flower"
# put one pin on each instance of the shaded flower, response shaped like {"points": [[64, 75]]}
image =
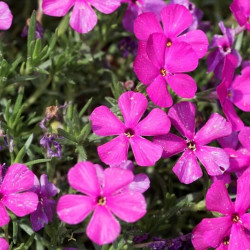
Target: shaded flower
{"points": [[193, 145], [241, 11], [83, 17], [4, 141], [5, 16], [132, 105], [128, 46], [103, 198], [4, 244], [38, 32], [231, 231], [46, 206], [223, 45], [140, 238], [136, 7], [175, 19], [235, 92], [52, 147], [162, 65], [14, 192]]}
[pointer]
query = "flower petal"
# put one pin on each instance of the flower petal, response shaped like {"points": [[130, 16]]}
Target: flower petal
{"points": [[57, 7], [105, 7], [17, 179], [158, 92], [129, 18], [38, 218], [105, 123], [5, 16], [175, 18], [146, 153], [146, 24], [132, 105], [244, 137], [180, 57], [83, 177], [171, 144], [216, 127], [239, 238], [197, 39], [4, 218], [245, 218], [4, 244], [128, 206], [144, 69], [83, 18], [129, 165], [156, 123], [74, 208], [115, 179], [183, 85], [21, 204], [103, 228], [182, 116], [114, 151], [215, 160], [210, 232], [187, 168], [156, 47], [218, 200], [48, 189], [238, 11], [141, 183]]}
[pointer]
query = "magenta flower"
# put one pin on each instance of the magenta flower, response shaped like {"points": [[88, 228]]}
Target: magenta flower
{"points": [[132, 106], [235, 92], [162, 66], [136, 7], [231, 231], [223, 46], [5, 16], [105, 196], [46, 206], [83, 18], [4, 244], [241, 11], [215, 160], [175, 19], [13, 192]]}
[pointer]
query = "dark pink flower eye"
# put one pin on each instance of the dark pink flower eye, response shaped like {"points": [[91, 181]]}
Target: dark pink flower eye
{"points": [[235, 218], [129, 132], [226, 241], [101, 200]]}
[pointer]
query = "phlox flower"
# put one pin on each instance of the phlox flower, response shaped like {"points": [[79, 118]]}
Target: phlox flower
{"points": [[234, 91], [4, 244], [46, 206], [136, 7], [14, 194], [193, 145], [132, 106], [162, 66], [231, 231], [5, 16], [105, 193], [175, 19], [222, 45], [241, 11], [83, 17]]}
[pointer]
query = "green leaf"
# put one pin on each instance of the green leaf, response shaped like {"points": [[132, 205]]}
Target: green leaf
{"points": [[23, 150], [67, 135], [30, 163], [85, 107], [82, 153], [84, 133]]}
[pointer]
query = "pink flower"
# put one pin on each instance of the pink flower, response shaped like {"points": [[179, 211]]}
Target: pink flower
{"points": [[132, 106], [235, 92], [13, 192], [105, 194], [244, 137], [162, 65], [136, 7], [83, 18], [4, 244], [215, 160], [230, 231], [175, 19], [241, 11], [5, 16], [46, 206]]}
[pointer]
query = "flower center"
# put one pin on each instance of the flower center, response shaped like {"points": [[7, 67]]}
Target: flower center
{"points": [[226, 241], [248, 20], [101, 200], [129, 132], [191, 145], [163, 72], [226, 49], [235, 218], [169, 43], [1, 196]]}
